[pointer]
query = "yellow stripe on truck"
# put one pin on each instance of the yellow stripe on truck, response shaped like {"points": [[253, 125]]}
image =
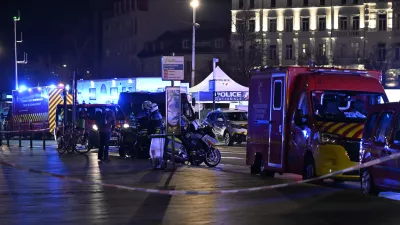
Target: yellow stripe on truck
{"points": [[354, 131], [347, 127], [333, 128], [54, 100]]}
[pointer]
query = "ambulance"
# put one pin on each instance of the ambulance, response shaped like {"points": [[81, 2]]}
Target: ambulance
{"points": [[309, 121]]}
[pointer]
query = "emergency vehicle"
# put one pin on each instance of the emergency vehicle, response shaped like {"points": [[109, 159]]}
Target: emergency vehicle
{"points": [[309, 121], [37, 106]]}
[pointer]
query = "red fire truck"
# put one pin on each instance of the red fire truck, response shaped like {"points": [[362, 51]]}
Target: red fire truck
{"points": [[309, 121], [35, 105]]}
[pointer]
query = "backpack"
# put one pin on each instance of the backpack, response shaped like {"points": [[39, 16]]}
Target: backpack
{"points": [[102, 120]]}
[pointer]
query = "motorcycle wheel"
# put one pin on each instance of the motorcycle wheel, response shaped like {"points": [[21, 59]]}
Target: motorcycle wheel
{"points": [[213, 157]]}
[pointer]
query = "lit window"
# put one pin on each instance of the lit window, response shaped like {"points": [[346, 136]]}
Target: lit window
{"points": [[272, 25], [343, 23], [289, 24], [305, 24], [382, 22], [289, 52], [322, 23], [356, 23]]}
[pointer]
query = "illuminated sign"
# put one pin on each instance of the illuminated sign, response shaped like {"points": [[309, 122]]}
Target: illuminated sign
{"points": [[172, 67]]}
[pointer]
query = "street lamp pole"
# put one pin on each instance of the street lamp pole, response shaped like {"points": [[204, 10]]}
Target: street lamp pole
{"points": [[194, 4], [16, 19]]}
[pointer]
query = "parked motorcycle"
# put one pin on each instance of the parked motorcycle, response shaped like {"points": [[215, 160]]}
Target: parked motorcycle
{"points": [[195, 145]]}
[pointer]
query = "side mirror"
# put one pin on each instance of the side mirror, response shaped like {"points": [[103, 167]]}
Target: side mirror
{"points": [[193, 101], [220, 120]]}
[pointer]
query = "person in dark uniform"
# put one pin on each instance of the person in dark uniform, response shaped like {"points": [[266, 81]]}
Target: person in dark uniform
{"points": [[156, 126], [106, 123], [143, 117]]}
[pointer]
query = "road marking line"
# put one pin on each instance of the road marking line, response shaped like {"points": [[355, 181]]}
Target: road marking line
{"points": [[233, 153], [227, 157], [201, 192]]}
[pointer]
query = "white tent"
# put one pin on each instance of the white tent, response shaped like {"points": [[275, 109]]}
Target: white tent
{"points": [[223, 83]]}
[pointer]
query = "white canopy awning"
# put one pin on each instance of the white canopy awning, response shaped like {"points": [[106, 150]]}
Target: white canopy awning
{"points": [[223, 83]]}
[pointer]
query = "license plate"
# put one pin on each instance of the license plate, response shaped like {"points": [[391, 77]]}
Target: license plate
{"points": [[114, 138]]}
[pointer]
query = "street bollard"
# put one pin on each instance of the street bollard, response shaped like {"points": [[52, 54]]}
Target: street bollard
{"points": [[44, 136], [7, 135], [20, 135], [31, 134]]}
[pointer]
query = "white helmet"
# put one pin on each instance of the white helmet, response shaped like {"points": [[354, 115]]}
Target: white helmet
{"points": [[146, 105], [154, 107]]}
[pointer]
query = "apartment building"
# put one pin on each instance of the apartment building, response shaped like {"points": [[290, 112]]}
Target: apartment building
{"points": [[133, 23], [346, 33], [210, 43]]}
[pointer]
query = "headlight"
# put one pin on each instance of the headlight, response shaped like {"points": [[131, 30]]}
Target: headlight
{"points": [[126, 125], [95, 127], [327, 138]]}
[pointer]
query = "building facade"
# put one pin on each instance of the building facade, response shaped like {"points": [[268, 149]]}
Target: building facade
{"points": [[133, 23], [345, 33], [210, 43]]}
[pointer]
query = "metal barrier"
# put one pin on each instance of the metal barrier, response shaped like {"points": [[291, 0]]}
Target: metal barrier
{"points": [[31, 132]]}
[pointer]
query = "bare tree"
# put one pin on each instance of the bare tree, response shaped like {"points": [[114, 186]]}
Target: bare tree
{"points": [[381, 58], [246, 46]]}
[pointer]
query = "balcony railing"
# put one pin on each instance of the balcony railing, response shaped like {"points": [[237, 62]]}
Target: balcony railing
{"points": [[348, 33]]}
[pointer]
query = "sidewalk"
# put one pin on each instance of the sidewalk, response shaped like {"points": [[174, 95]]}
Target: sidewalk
{"points": [[28, 198]]}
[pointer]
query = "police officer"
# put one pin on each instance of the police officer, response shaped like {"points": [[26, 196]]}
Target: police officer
{"points": [[156, 126], [143, 116]]}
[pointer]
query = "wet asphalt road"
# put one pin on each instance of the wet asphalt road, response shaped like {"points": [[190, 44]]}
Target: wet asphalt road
{"points": [[27, 198]]}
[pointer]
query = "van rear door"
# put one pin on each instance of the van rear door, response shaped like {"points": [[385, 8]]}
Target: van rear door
{"points": [[277, 114], [258, 118]]}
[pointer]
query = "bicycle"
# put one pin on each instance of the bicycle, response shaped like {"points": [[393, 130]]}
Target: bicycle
{"points": [[74, 139]]}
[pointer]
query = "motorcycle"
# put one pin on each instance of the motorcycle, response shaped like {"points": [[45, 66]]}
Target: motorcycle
{"points": [[195, 145]]}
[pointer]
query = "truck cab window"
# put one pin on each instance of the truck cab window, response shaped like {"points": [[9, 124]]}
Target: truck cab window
{"points": [[369, 126], [277, 95], [383, 130], [303, 104]]}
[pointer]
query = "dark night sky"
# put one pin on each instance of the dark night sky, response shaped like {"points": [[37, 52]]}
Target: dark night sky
{"points": [[45, 25]]}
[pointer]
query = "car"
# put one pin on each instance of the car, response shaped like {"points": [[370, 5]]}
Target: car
{"points": [[229, 125], [87, 112], [381, 137]]}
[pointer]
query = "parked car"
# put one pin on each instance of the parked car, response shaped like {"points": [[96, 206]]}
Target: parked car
{"points": [[228, 125], [381, 137]]}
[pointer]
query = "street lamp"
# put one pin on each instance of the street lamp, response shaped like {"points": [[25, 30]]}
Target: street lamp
{"points": [[194, 4], [16, 19]]}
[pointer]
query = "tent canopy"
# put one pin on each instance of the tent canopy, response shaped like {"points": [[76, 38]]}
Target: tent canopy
{"points": [[223, 83]]}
